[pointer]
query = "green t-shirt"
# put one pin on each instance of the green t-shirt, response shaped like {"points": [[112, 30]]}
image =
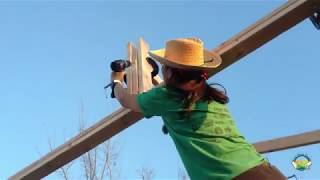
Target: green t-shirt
{"points": [[207, 140]]}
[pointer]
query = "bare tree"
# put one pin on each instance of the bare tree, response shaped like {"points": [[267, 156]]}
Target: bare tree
{"points": [[98, 163], [146, 173], [103, 156]]}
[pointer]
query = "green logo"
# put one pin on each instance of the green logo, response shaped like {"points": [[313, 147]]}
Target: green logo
{"points": [[301, 162]]}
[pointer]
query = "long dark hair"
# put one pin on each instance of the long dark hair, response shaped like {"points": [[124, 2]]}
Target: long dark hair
{"points": [[174, 77], [181, 76]]}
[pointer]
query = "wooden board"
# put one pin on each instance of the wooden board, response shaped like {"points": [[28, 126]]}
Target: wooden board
{"points": [[264, 30], [144, 68], [232, 50], [133, 69], [129, 70], [80, 144], [288, 142], [139, 73]]}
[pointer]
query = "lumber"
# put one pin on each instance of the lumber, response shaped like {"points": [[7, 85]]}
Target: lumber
{"points": [[129, 70], [280, 20], [134, 69], [264, 30], [140, 69], [303, 139], [80, 144], [144, 68]]}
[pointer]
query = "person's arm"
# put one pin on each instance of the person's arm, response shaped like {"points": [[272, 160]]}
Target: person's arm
{"points": [[126, 99]]}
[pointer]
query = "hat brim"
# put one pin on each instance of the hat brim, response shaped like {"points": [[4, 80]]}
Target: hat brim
{"points": [[212, 60]]}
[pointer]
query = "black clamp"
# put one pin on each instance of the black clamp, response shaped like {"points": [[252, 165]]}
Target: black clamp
{"points": [[154, 65], [315, 19]]}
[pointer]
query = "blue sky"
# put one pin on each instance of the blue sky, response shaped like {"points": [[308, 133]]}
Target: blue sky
{"points": [[55, 55]]}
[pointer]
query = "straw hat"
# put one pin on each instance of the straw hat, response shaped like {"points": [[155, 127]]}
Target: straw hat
{"points": [[187, 53]]}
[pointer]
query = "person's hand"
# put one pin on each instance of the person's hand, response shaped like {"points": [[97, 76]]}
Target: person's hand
{"points": [[118, 76], [156, 80]]}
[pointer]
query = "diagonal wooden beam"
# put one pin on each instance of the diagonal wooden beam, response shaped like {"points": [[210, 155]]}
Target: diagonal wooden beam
{"points": [[232, 50], [264, 30], [303, 139], [83, 142]]}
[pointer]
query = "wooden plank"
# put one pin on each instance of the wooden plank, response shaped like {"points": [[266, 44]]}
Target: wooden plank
{"points": [[144, 68], [83, 142], [252, 38], [288, 142], [140, 69], [129, 70], [264, 30], [134, 70]]}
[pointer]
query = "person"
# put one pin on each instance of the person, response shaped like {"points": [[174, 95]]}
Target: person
{"points": [[196, 116]]}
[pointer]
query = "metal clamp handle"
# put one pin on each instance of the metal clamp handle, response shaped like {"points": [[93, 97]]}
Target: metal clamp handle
{"points": [[315, 19]]}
